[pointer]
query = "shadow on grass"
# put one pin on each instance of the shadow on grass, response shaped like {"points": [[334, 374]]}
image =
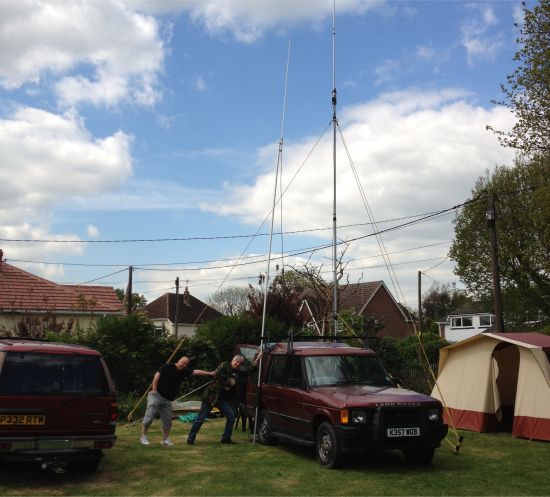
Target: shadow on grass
{"points": [[375, 462], [30, 475]]}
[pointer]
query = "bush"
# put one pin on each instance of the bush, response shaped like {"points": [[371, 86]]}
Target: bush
{"points": [[405, 361], [226, 332]]}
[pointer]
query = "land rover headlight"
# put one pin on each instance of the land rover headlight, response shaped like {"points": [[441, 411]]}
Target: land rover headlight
{"points": [[433, 414], [358, 417]]}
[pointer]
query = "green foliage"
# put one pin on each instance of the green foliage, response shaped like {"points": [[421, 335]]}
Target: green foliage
{"points": [[527, 91], [522, 196], [226, 332], [132, 349], [438, 302], [138, 300], [406, 361]]}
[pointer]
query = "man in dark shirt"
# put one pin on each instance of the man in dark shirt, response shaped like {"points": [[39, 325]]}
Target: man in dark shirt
{"points": [[163, 391], [221, 393]]}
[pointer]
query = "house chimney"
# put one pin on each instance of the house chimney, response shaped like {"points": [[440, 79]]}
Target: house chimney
{"points": [[186, 299]]}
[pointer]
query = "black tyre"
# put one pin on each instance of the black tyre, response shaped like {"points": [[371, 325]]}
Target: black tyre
{"points": [[326, 447], [419, 456], [264, 429]]}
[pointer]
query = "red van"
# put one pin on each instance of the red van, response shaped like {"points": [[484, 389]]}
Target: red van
{"points": [[58, 405], [340, 399]]}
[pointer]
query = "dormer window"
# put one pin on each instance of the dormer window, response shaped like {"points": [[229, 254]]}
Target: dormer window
{"points": [[462, 322], [486, 320]]}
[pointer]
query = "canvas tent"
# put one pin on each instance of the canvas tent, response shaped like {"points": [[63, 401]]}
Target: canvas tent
{"points": [[494, 381]]}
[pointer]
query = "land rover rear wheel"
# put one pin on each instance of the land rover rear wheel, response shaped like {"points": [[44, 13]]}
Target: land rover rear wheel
{"points": [[326, 447], [264, 429]]}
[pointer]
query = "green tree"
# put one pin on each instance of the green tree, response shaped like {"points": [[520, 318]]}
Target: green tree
{"points": [[138, 301], [527, 93], [522, 196], [132, 349], [438, 302], [224, 333]]}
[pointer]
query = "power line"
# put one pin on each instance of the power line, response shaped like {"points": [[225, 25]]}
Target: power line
{"points": [[205, 238]]}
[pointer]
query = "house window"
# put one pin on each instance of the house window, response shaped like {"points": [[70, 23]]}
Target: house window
{"points": [[486, 320], [462, 322]]}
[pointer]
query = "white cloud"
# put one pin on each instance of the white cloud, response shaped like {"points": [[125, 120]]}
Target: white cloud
{"points": [[476, 39], [92, 230], [48, 158], [414, 152], [145, 194], [118, 47], [247, 20], [385, 72], [200, 84]]}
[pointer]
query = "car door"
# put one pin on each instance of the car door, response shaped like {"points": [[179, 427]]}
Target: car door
{"points": [[291, 399]]}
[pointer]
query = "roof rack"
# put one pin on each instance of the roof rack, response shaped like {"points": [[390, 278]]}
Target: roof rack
{"points": [[27, 339]]}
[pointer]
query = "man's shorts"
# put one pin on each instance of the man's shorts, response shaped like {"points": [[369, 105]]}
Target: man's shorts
{"points": [[157, 404]]}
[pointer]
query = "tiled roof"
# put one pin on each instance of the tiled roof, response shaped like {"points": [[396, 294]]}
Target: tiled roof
{"points": [[104, 294], [23, 291], [196, 313], [355, 296]]}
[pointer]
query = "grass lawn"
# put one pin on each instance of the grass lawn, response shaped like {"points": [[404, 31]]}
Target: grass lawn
{"points": [[488, 464]]}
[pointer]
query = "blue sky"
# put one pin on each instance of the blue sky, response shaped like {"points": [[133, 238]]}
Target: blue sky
{"points": [[160, 119]]}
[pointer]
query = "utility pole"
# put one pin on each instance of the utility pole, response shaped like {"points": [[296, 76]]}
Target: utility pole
{"points": [[129, 290], [491, 217], [420, 301], [176, 317]]}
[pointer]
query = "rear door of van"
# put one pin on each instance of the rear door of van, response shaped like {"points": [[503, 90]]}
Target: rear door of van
{"points": [[44, 394]]}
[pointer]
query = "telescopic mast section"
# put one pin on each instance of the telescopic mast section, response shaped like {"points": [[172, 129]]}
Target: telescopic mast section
{"points": [[334, 128]]}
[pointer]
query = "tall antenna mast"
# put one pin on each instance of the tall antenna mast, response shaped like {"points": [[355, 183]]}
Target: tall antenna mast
{"points": [[334, 127]]}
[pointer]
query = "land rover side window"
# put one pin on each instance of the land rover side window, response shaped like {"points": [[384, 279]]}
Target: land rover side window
{"points": [[295, 377], [277, 372], [27, 372], [346, 370]]}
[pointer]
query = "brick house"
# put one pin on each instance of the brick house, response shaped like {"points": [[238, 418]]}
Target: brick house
{"points": [[371, 300], [192, 312]]}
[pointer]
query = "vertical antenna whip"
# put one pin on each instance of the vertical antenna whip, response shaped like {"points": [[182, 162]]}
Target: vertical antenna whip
{"points": [[334, 127], [266, 282]]}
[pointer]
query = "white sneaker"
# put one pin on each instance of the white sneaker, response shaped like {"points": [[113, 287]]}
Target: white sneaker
{"points": [[143, 439], [168, 442]]}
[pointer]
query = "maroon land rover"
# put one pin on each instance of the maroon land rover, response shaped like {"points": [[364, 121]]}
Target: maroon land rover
{"points": [[340, 399], [58, 405]]}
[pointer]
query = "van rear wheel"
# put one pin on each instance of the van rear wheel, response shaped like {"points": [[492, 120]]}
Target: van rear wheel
{"points": [[326, 447]]}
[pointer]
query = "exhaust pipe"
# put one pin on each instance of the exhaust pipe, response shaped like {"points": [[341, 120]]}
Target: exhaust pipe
{"points": [[58, 467]]}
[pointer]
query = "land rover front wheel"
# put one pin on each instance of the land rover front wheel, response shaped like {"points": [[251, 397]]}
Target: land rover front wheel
{"points": [[264, 429], [326, 447], [419, 456]]}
